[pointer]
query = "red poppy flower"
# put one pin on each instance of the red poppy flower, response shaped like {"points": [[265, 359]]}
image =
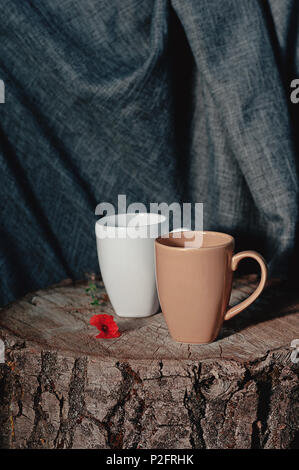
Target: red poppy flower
{"points": [[106, 326]]}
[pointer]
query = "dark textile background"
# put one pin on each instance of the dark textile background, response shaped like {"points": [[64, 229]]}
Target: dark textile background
{"points": [[161, 100]]}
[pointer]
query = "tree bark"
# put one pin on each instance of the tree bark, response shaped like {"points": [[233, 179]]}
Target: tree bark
{"points": [[62, 388]]}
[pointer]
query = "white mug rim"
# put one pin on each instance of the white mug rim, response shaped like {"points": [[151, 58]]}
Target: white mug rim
{"points": [[107, 223]]}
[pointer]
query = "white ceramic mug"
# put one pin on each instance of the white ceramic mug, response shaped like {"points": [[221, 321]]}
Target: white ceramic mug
{"points": [[125, 245]]}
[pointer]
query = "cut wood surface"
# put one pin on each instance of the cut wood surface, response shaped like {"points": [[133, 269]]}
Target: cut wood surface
{"points": [[62, 387]]}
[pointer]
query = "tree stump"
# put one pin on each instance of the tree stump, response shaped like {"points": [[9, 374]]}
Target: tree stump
{"points": [[62, 388]]}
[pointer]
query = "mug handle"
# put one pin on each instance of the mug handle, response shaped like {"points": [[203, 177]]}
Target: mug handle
{"points": [[245, 303]]}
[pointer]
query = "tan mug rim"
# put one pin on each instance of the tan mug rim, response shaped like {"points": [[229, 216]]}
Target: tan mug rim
{"points": [[227, 242]]}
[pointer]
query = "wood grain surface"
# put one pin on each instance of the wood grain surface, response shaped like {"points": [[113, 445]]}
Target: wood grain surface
{"points": [[62, 387]]}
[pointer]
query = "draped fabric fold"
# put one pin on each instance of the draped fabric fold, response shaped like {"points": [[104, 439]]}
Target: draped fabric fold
{"points": [[162, 100]]}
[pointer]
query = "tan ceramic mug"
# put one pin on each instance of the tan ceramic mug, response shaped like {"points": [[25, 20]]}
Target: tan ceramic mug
{"points": [[194, 280]]}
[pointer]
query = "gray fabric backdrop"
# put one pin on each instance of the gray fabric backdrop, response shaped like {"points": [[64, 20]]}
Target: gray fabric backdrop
{"points": [[162, 100]]}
